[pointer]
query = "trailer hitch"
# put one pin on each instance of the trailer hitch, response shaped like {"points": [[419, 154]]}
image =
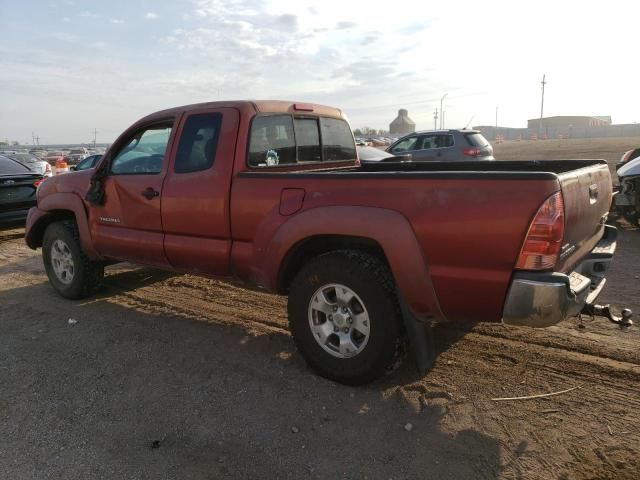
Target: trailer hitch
{"points": [[623, 320]]}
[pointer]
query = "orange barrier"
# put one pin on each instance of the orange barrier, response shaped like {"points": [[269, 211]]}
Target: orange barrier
{"points": [[499, 138], [61, 167], [534, 136]]}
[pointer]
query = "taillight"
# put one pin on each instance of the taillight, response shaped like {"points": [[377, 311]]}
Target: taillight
{"points": [[543, 242], [472, 152], [38, 182]]}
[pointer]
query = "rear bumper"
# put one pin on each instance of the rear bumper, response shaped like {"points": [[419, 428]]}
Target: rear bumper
{"points": [[544, 299], [14, 216]]}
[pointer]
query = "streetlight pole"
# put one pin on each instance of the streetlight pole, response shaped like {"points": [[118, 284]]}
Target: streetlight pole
{"points": [[435, 119], [442, 111], [542, 103]]}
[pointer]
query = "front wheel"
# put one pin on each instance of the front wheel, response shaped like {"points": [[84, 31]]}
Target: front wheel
{"points": [[345, 318], [69, 270]]}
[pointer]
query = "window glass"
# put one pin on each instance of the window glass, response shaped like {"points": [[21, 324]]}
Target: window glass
{"points": [[406, 145], [476, 140], [428, 141], [337, 140], [272, 141], [444, 141], [198, 143], [144, 153], [307, 139]]}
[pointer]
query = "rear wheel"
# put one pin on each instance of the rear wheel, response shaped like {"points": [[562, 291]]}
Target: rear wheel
{"points": [[345, 318], [69, 270]]}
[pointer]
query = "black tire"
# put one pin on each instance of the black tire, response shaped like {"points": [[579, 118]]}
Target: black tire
{"points": [[87, 275], [371, 280], [632, 217]]}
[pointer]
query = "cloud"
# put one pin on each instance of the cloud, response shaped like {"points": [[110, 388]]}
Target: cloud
{"points": [[214, 8], [345, 25], [150, 15], [66, 19], [87, 14], [369, 39], [287, 21], [116, 20]]}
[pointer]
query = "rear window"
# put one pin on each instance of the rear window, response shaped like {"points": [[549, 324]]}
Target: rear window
{"points": [[11, 167], [337, 140], [281, 140], [476, 140], [272, 141]]}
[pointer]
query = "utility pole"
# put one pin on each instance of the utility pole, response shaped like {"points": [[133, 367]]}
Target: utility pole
{"points": [[435, 119], [33, 138], [37, 139], [543, 83], [496, 118], [442, 111], [95, 135]]}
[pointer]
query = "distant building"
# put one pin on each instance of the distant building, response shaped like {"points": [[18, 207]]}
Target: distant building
{"points": [[402, 124], [569, 121]]}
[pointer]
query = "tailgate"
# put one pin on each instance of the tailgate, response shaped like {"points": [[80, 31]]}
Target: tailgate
{"points": [[586, 193]]}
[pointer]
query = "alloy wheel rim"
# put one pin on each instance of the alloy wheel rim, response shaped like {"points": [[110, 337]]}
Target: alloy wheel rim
{"points": [[339, 320], [62, 262]]}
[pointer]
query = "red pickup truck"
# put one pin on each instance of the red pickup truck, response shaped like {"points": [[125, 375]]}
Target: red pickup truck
{"points": [[272, 193]]}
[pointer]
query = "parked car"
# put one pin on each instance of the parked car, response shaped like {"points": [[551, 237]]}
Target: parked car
{"points": [[18, 186], [38, 152], [77, 154], [55, 156], [31, 161], [627, 198], [270, 193], [88, 162], [444, 146], [627, 157], [376, 155]]}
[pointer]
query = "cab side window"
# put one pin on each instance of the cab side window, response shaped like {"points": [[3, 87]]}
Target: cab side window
{"points": [[198, 143], [144, 153]]}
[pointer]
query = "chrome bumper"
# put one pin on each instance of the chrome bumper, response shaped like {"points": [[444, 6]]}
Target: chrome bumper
{"points": [[544, 299]]}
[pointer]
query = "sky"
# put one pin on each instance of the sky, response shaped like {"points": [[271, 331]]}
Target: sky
{"points": [[68, 67]]}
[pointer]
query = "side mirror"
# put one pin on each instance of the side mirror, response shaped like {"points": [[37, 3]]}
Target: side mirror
{"points": [[72, 168]]}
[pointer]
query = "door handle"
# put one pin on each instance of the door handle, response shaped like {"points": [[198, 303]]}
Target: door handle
{"points": [[149, 193]]}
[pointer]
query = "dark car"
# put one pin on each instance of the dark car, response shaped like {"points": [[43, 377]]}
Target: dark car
{"points": [[18, 186], [87, 163], [377, 155], [443, 146]]}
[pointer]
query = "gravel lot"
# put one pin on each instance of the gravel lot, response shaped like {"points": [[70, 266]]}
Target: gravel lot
{"points": [[173, 376]]}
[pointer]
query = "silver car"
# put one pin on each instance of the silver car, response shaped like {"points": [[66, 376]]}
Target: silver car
{"points": [[443, 146]]}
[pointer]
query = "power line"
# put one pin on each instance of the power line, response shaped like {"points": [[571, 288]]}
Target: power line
{"points": [[543, 83]]}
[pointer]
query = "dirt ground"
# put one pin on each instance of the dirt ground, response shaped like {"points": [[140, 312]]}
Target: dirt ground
{"points": [[610, 149], [175, 376]]}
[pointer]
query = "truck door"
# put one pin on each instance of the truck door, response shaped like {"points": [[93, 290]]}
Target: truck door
{"points": [[127, 226], [196, 190]]}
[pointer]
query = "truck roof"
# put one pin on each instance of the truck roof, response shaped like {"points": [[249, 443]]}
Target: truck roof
{"points": [[259, 106]]}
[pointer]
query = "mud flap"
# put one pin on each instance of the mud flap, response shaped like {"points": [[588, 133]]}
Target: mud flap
{"points": [[420, 337]]}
